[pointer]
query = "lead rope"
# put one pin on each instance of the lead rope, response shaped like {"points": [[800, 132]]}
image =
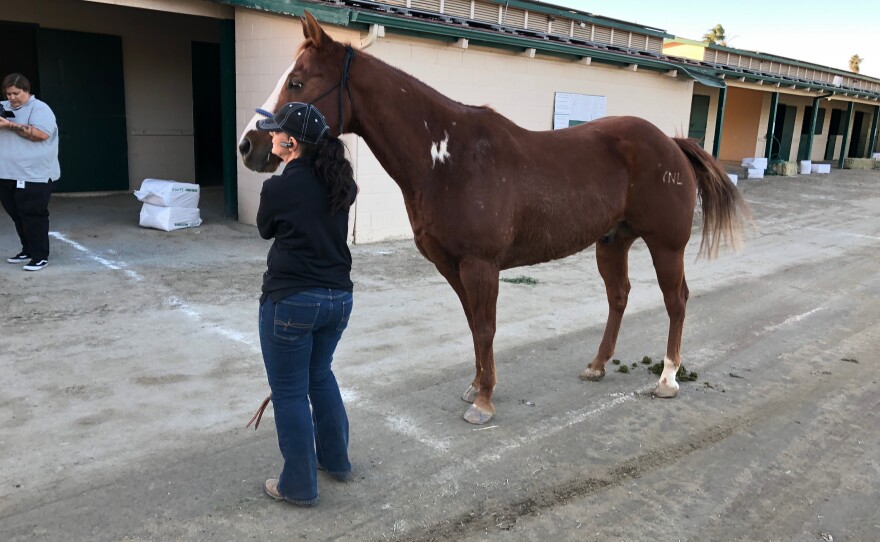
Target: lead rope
{"points": [[346, 66], [259, 414]]}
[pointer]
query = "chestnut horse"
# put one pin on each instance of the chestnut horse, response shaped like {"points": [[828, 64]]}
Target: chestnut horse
{"points": [[484, 194]]}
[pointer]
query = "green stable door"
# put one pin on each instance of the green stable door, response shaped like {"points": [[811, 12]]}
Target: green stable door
{"points": [[699, 118], [81, 80]]}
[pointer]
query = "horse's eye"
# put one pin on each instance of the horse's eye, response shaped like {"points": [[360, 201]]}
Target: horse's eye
{"points": [[292, 85]]}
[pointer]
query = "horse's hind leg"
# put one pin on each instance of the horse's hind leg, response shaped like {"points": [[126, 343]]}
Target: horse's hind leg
{"points": [[669, 265], [611, 257]]}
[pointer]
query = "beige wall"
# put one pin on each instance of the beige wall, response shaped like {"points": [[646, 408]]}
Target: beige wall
{"points": [[156, 51], [516, 86], [742, 120]]}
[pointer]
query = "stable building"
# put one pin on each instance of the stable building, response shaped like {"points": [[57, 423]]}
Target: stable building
{"points": [[157, 89], [779, 108]]}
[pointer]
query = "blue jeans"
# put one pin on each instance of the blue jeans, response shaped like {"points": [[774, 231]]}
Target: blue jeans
{"points": [[298, 335]]}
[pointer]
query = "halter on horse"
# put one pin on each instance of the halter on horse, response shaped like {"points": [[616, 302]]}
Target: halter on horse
{"points": [[484, 194]]}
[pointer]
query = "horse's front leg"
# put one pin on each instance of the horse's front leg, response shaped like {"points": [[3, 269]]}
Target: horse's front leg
{"points": [[454, 280], [480, 282]]}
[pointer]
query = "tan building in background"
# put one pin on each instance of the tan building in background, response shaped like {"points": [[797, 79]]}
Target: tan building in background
{"points": [[153, 88]]}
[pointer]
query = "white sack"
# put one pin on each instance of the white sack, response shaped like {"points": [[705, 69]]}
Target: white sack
{"points": [[733, 178], [823, 169], [169, 218], [755, 173], [168, 193], [806, 166], [756, 162]]}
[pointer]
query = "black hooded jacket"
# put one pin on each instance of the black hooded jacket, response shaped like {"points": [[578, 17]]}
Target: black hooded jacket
{"points": [[310, 249]]}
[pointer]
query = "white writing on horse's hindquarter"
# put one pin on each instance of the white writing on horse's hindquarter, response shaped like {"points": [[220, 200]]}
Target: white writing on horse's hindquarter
{"points": [[671, 177], [270, 103], [438, 150]]}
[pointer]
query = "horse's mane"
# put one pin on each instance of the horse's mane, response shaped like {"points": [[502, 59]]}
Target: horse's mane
{"points": [[309, 42]]}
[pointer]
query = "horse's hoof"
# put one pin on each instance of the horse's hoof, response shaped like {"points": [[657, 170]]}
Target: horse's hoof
{"points": [[665, 391], [477, 416], [592, 374], [470, 394]]}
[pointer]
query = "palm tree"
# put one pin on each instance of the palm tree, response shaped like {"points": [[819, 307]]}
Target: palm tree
{"points": [[854, 63], [716, 35]]}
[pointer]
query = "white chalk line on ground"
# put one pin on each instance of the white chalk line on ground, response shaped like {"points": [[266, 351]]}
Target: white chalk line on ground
{"points": [[401, 424], [849, 234], [195, 315], [789, 227], [116, 266], [791, 320], [349, 395]]}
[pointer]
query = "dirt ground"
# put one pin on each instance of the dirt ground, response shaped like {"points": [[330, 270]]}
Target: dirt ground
{"points": [[131, 365]]}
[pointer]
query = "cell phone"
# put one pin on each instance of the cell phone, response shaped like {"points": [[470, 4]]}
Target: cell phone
{"points": [[7, 114]]}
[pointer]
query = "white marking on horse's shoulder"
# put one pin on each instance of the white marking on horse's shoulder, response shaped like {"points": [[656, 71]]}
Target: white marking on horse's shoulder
{"points": [[426, 125], [439, 150], [403, 90]]}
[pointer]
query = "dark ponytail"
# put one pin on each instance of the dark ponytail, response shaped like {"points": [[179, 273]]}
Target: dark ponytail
{"points": [[332, 167]]}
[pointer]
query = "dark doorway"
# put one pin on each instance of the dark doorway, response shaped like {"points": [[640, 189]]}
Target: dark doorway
{"points": [[18, 41], [783, 132], [835, 129], [207, 113], [805, 130], [858, 143], [81, 75], [699, 118]]}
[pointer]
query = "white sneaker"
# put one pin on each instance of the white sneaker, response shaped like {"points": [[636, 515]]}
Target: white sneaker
{"points": [[21, 257], [36, 265]]}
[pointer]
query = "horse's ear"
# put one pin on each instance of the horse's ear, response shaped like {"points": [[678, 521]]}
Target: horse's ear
{"points": [[312, 30]]}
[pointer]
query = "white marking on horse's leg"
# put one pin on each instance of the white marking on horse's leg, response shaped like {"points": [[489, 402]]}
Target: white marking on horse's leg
{"points": [[439, 150], [667, 386], [269, 104]]}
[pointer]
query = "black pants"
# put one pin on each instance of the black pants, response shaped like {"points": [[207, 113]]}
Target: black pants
{"points": [[29, 209]]}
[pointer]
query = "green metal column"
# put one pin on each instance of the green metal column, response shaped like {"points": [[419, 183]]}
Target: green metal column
{"points": [[771, 125], [227, 105], [846, 127], [813, 119], [719, 120], [872, 138]]}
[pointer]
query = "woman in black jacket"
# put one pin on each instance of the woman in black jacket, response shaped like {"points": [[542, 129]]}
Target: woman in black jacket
{"points": [[307, 298]]}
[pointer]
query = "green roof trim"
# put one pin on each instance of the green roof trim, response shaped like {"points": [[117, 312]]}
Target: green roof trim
{"points": [[427, 29], [712, 76], [325, 13], [786, 83], [793, 62], [557, 11]]}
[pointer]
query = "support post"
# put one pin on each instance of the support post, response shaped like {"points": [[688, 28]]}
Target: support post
{"points": [[849, 114], [872, 138], [771, 125], [814, 117], [719, 121], [227, 118]]}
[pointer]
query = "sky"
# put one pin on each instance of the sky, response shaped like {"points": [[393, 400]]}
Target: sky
{"points": [[779, 27]]}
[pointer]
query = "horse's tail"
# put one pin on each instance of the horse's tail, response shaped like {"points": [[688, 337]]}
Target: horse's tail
{"points": [[724, 208]]}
